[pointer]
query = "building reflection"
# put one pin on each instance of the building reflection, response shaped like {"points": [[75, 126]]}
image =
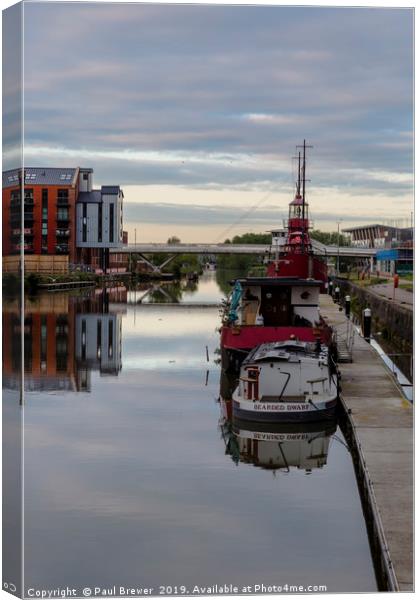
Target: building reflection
{"points": [[65, 339], [276, 447]]}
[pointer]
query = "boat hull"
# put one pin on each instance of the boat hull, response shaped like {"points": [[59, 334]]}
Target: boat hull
{"points": [[284, 412]]}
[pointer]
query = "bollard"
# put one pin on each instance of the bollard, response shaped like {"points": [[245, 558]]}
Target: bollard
{"points": [[330, 288], [337, 294], [347, 301], [367, 320]]}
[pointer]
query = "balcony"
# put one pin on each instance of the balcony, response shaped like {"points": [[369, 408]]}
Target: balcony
{"points": [[16, 218], [27, 232], [62, 249], [16, 203], [28, 247], [63, 232]]}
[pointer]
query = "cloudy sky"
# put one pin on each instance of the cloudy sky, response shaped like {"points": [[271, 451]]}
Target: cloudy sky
{"points": [[196, 110]]}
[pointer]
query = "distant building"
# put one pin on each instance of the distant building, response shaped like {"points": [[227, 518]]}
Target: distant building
{"points": [[63, 218], [391, 261], [379, 236], [394, 244]]}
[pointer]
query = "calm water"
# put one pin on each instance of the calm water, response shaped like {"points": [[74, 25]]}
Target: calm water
{"points": [[133, 477]]}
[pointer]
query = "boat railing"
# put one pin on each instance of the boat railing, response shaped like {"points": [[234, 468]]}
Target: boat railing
{"points": [[317, 380]]}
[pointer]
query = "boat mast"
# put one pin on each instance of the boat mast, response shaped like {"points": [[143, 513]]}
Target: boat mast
{"points": [[304, 227], [303, 179], [303, 196], [298, 182]]}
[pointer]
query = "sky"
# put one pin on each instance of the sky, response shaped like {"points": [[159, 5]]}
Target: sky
{"points": [[196, 111]]}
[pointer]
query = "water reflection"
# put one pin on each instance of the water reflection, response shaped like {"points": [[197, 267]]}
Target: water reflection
{"points": [[65, 338], [207, 290], [303, 446], [126, 478]]}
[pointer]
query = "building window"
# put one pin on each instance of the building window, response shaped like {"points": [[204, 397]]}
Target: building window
{"points": [[84, 223], [62, 214], [62, 197], [85, 176], [99, 222], [111, 222]]}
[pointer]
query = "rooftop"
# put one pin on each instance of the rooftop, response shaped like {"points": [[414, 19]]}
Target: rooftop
{"points": [[368, 226], [41, 176], [110, 189], [94, 196]]}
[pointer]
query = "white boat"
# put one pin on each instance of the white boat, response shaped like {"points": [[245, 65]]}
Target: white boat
{"points": [[286, 382], [301, 446]]}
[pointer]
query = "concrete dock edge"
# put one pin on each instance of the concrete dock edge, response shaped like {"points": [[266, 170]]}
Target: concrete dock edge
{"points": [[384, 568], [377, 421]]}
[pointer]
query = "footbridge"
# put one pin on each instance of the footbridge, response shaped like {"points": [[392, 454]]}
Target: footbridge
{"points": [[213, 249], [172, 250]]}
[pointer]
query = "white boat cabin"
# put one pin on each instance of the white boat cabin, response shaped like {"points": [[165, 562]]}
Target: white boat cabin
{"points": [[279, 239], [289, 371]]}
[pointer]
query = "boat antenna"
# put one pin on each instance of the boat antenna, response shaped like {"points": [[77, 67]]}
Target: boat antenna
{"points": [[298, 183], [303, 179]]}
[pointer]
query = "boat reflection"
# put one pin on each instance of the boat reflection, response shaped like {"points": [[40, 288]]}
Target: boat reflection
{"points": [[302, 446], [65, 338]]}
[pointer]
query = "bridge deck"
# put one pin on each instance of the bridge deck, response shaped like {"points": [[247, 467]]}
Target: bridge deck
{"points": [[212, 249]]}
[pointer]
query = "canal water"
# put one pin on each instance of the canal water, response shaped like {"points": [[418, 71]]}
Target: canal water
{"points": [[134, 475]]}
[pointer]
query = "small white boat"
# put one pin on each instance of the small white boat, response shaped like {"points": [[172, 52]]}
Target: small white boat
{"points": [[286, 382]]}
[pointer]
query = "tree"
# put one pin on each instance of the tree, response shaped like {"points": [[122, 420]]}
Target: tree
{"points": [[329, 238], [242, 263], [173, 240]]}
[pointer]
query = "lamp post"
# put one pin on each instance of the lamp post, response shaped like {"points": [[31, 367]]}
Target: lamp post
{"points": [[338, 247]]}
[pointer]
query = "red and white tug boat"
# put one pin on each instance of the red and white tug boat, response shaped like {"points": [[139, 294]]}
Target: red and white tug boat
{"points": [[283, 307]]}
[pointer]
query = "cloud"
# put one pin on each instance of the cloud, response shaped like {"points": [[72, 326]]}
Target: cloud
{"points": [[220, 95]]}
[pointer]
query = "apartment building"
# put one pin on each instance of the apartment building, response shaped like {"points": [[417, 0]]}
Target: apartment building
{"points": [[50, 197], [99, 221], [62, 217]]}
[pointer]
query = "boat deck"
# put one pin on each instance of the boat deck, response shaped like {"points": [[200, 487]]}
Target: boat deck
{"points": [[381, 419]]}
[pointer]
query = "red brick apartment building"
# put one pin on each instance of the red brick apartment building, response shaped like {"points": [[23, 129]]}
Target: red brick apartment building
{"points": [[65, 221], [49, 211]]}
